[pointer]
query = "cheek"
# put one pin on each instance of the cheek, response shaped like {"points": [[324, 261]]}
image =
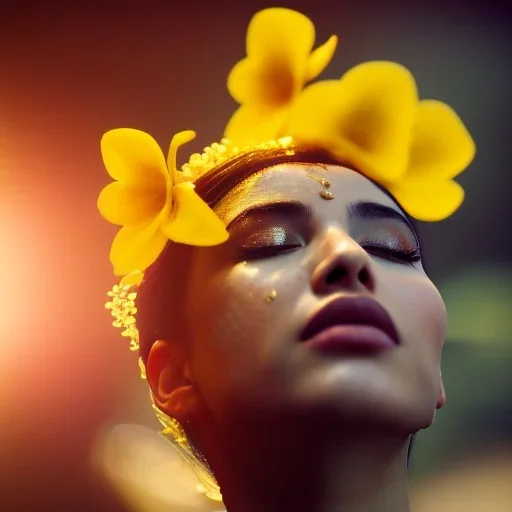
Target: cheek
{"points": [[241, 329], [419, 311]]}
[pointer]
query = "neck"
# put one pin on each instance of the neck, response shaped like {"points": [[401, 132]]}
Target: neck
{"points": [[320, 471]]}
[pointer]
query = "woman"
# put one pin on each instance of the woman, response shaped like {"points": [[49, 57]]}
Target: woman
{"points": [[288, 331]]}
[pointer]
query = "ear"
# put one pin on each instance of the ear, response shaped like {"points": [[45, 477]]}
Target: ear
{"points": [[169, 379], [442, 395]]}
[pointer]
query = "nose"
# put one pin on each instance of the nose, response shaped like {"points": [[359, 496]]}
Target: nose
{"points": [[342, 265]]}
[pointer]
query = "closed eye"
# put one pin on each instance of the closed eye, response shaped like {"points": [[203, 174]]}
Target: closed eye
{"points": [[384, 232], [271, 229], [398, 256], [271, 241]]}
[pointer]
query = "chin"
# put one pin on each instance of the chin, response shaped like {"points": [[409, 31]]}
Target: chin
{"points": [[367, 392], [388, 418], [372, 408]]}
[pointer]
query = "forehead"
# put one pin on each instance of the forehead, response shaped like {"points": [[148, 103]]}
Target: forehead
{"points": [[302, 182]]}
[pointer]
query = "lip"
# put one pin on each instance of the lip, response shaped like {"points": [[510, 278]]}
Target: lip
{"points": [[351, 324]]}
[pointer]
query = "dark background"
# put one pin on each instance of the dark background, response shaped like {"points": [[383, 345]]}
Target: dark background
{"points": [[71, 71]]}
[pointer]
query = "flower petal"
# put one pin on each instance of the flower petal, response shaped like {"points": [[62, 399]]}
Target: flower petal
{"points": [[277, 27], [254, 124], [177, 141], [194, 223], [320, 58], [442, 146], [278, 44], [136, 248], [134, 156], [428, 201], [128, 203], [364, 119], [132, 279]]}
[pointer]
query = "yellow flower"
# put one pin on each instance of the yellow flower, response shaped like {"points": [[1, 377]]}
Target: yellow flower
{"points": [[152, 200], [363, 119], [279, 63], [133, 279], [371, 119], [441, 149]]}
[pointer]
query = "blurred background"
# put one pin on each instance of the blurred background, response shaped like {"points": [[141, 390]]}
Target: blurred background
{"points": [[71, 71]]}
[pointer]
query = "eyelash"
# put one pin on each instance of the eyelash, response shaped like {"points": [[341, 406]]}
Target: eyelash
{"points": [[269, 250], [409, 256], [406, 256], [266, 251]]}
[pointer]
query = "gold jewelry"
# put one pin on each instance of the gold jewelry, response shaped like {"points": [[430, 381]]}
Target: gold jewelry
{"points": [[324, 194], [271, 297]]}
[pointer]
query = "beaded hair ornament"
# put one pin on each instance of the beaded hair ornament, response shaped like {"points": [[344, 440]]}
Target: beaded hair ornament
{"points": [[370, 118]]}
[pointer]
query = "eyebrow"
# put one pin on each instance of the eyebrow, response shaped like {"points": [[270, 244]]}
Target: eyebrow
{"points": [[294, 208], [365, 210], [373, 211]]}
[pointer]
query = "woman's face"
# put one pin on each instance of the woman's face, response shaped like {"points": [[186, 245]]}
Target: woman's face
{"points": [[290, 253]]}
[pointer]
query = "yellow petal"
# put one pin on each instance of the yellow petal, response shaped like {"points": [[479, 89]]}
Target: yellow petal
{"points": [[278, 44], [136, 248], [364, 119], [428, 201], [275, 27], [254, 124], [442, 146], [194, 222], [134, 156], [132, 279], [177, 141], [320, 58], [128, 203]]}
